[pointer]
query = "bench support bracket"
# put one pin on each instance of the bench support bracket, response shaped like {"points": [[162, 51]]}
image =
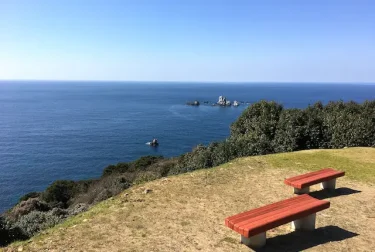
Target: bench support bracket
{"points": [[301, 191], [330, 184], [306, 223], [256, 241]]}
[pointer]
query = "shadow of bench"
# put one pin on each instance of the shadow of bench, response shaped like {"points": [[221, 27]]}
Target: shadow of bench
{"points": [[324, 194], [298, 241]]}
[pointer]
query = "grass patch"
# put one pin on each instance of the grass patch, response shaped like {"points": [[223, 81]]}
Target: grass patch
{"points": [[358, 163]]}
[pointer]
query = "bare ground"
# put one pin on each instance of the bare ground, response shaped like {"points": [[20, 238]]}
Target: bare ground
{"points": [[187, 212]]}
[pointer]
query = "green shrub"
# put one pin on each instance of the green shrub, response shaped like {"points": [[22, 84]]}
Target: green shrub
{"points": [[119, 168], [25, 207], [36, 221], [223, 152], [256, 127], [8, 233], [349, 124], [104, 188], [61, 191], [291, 134], [163, 166], [146, 176], [143, 162]]}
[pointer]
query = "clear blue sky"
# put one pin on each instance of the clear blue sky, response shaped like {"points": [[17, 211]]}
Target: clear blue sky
{"points": [[176, 40]]}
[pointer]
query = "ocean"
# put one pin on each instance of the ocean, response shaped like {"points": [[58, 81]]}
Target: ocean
{"points": [[72, 130]]}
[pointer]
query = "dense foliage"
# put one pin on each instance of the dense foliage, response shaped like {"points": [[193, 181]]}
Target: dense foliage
{"points": [[266, 127], [138, 165], [263, 128], [9, 233]]}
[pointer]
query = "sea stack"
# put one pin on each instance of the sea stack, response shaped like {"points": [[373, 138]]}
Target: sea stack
{"points": [[223, 101]]}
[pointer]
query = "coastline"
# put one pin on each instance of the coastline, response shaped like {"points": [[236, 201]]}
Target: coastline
{"points": [[66, 198]]}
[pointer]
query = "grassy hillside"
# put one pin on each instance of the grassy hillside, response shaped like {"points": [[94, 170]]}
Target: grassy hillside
{"points": [[187, 212]]}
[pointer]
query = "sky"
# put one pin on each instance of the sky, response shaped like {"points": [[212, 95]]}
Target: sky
{"points": [[196, 40]]}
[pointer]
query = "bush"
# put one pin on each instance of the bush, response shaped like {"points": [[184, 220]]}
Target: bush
{"points": [[162, 167], [25, 207], [316, 130], [8, 233], [256, 127], [61, 191], [36, 221], [349, 124], [79, 208], [291, 134], [146, 176], [104, 188], [222, 152], [140, 164], [119, 168], [143, 162]]}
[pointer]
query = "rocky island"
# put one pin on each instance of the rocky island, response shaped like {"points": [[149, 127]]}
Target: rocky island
{"points": [[221, 102], [194, 103]]}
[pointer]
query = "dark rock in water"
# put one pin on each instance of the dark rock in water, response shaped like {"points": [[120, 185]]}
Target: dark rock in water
{"points": [[194, 103], [154, 142]]}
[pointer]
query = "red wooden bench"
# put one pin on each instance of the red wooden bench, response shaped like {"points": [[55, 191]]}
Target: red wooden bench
{"points": [[252, 225], [327, 178]]}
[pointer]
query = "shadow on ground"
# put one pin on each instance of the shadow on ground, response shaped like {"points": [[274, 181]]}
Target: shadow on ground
{"points": [[324, 194], [301, 240]]}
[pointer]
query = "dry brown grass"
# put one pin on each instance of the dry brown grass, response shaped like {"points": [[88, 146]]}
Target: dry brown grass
{"points": [[187, 212]]}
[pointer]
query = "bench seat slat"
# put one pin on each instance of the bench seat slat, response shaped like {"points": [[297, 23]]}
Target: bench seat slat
{"points": [[310, 174], [261, 210], [319, 178], [291, 215], [312, 178], [264, 218]]}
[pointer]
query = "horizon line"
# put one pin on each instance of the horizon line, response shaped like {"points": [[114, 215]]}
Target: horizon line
{"points": [[192, 82]]}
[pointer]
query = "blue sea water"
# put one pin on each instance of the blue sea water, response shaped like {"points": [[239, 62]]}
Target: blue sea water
{"points": [[72, 130]]}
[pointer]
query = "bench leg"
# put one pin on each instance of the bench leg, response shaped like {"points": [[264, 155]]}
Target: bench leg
{"points": [[256, 241], [301, 191], [307, 223], [330, 184]]}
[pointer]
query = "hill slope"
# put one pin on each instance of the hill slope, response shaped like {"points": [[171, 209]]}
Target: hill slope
{"points": [[187, 212]]}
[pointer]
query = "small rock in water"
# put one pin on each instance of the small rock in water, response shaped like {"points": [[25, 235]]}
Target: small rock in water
{"points": [[20, 248]]}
